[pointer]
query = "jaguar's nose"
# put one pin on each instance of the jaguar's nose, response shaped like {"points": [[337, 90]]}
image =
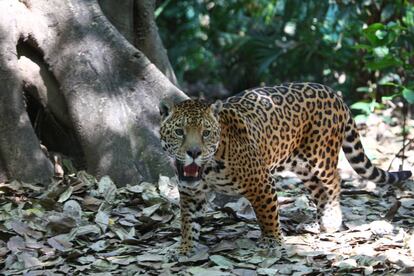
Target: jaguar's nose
{"points": [[194, 152]]}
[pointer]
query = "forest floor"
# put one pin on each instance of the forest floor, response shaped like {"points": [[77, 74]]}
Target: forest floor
{"points": [[80, 226]]}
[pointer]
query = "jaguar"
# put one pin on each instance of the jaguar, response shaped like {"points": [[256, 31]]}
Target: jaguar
{"points": [[238, 145]]}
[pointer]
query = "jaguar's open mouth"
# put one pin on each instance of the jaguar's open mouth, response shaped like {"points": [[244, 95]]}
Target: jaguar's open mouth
{"points": [[189, 173]]}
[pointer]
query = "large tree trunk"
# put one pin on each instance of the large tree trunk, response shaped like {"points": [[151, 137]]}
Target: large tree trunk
{"points": [[89, 93], [135, 20]]}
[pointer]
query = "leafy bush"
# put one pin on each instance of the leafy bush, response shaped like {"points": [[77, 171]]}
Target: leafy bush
{"points": [[363, 48]]}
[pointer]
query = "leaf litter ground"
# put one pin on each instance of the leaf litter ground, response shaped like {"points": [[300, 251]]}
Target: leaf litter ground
{"points": [[81, 226]]}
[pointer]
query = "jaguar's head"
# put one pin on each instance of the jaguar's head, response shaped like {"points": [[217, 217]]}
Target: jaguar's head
{"points": [[190, 133]]}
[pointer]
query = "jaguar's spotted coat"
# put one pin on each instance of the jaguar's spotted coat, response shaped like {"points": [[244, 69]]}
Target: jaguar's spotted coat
{"points": [[237, 146]]}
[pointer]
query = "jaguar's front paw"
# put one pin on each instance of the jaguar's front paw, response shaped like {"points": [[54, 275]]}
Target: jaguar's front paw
{"points": [[196, 252], [186, 249], [272, 246], [269, 242]]}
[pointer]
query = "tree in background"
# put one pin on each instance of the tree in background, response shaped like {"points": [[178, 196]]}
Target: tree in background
{"points": [[71, 81]]}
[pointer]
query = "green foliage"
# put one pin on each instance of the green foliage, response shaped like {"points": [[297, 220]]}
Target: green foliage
{"points": [[364, 49], [388, 52]]}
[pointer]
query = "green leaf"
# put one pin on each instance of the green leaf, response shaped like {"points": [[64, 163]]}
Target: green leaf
{"points": [[408, 19], [161, 8], [387, 98], [390, 79], [364, 107], [380, 34], [381, 51], [375, 27], [389, 84], [362, 47], [373, 33], [408, 94], [363, 89], [387, 61]]}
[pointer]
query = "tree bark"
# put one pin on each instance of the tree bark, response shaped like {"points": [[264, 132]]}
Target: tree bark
{"points": [[91, 84], [136, 22]]}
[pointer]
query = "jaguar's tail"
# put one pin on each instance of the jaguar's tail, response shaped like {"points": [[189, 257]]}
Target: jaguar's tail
{"points": [[356, 156]]}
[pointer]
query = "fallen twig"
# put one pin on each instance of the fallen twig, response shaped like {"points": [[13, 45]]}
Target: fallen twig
{"points": [[358, 192], [392, 211]]}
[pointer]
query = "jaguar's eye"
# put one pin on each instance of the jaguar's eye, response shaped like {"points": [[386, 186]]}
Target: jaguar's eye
{"points": [[206, 133], [179, 132]]}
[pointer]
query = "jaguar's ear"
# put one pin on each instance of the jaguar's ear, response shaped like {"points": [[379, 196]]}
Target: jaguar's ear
{"points": [[216, 107], [165, 108]]}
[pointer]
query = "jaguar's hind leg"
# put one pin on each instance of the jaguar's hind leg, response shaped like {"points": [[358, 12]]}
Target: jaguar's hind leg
{"points": [[324, 188], [325, 193]]}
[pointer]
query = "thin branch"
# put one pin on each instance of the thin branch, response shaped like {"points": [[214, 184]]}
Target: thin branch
{"points": [[400, 151]]}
